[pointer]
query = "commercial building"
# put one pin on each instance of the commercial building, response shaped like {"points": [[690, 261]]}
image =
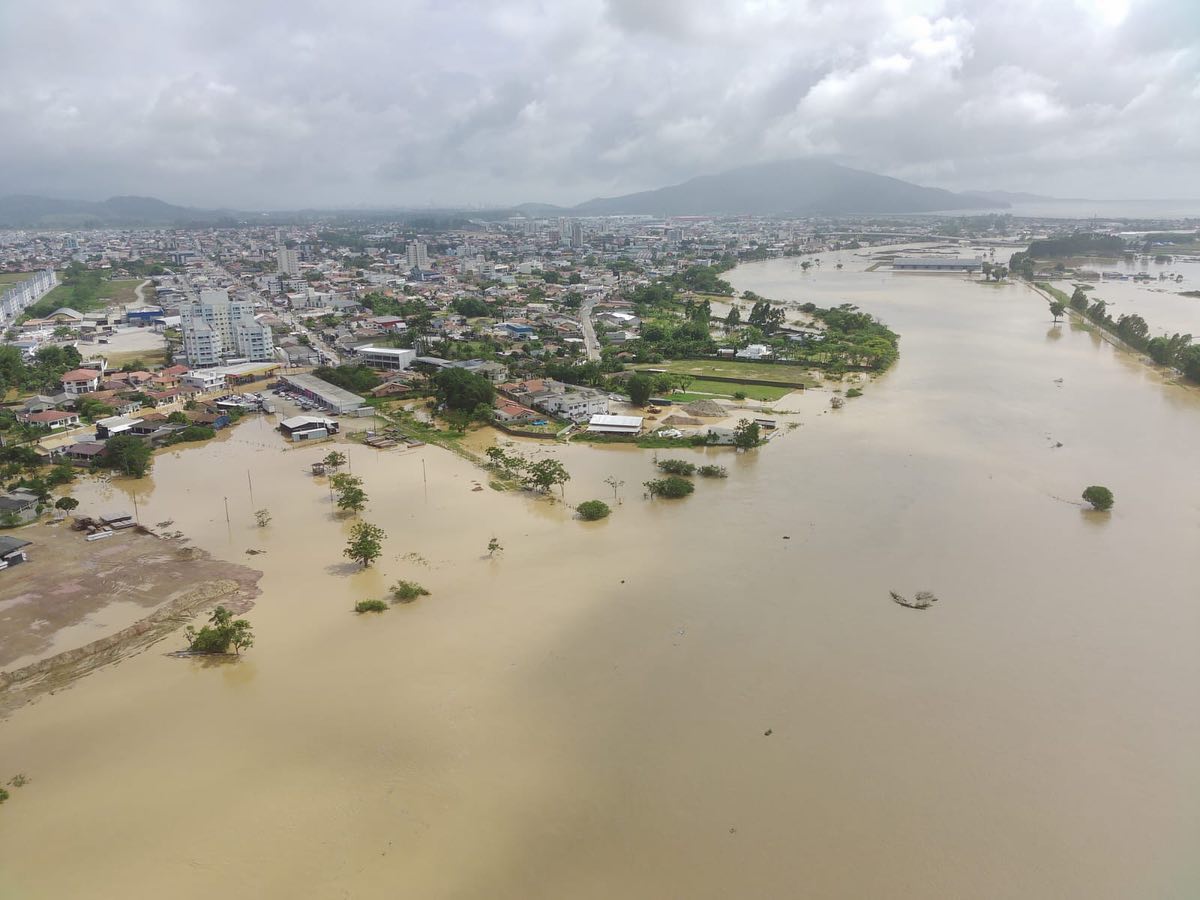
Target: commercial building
{"points": [[330, 396], [205, 380], [217, 327], [936, 264], [306, 428], [393, 359]]}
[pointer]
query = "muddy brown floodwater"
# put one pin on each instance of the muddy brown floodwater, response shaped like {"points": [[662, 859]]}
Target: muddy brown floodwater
{"points": [[677, 701]]}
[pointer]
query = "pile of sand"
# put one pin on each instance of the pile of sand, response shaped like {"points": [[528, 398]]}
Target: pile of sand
{"points": [[708, 408], [680, 421]]}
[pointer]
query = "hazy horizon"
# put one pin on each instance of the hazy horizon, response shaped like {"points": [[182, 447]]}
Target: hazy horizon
{"points": [[415, 104]]}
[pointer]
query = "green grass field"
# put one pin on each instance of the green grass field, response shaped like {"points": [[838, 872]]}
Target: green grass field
{"points": [[731, 368], [7, 278], [123, 290], [701, 390]]}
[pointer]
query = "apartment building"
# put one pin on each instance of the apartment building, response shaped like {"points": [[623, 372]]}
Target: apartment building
{"points": [[217, 328]]}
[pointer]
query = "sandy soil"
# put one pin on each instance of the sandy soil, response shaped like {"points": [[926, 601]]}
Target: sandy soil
{"points": [[75, 596]]}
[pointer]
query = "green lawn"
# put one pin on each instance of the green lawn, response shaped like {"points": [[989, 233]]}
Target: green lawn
{"points": [[732, 368], [7, 278], [699, 389], [123, 290]]}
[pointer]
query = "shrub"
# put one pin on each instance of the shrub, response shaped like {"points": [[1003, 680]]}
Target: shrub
{"points": [[363, 606], [671, 487], [739, 395], [677, 467], [407, 591], [592, 510], [713, 472], [3, 795], [854, 392], [1099, 496]]}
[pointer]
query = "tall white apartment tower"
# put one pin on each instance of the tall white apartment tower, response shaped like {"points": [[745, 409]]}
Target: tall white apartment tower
{"points": [[289, 261], [418, 255], [216, 328]]}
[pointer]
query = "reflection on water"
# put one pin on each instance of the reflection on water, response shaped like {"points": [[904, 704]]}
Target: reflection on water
{"points": [[586, 715]]}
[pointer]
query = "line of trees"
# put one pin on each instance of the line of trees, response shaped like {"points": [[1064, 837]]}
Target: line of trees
{"points": [[1176, 351]]}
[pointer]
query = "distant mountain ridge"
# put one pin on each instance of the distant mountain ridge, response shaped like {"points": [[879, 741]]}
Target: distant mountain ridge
{"points": [[28, 211], [796, 187]]}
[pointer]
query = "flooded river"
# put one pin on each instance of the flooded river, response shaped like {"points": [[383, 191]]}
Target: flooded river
{"points": [[706, 698]]}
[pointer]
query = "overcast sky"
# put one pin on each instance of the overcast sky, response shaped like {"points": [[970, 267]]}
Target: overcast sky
{"points": [[287, 103]]}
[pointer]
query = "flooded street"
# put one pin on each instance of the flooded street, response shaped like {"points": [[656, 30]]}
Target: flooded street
{"points": [[713, 697]]}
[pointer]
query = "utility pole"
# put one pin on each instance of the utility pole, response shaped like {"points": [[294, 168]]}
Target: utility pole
{"points": [[227, 511], [251, 483]]}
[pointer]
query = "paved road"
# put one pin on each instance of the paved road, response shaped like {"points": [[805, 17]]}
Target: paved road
{"points": [[589, 331]]}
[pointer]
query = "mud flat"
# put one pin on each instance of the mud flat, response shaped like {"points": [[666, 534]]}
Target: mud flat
{"points": [[78, 605]]}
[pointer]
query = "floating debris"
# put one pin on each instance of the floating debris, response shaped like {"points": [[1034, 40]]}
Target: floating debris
{"points": [[922, 600]]}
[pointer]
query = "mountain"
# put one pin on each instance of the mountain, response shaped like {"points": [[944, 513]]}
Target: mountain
{"points": [[788, 187], [28, 211]]}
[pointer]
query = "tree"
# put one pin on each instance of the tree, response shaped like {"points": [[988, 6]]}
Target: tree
{"points": [[494, 547], [178, 418], [1079, 299], [545, 474], [592, 510], [334, 460], [1099, 496], [352, 499], [1057, 308], [365, 544], [263, 518], [672, 487], [746, 435], [459, 389], [222, 632], [640, 387], [613, 482], [66, 504], [126, 453], [733, 319]]}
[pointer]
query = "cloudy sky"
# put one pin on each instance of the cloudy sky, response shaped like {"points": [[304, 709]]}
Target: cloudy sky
{"points": [[287, 103]]}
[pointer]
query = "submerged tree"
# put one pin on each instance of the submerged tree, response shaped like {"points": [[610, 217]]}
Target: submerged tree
{"points": [[1057, 308], [222, 632], [1099, 496], [365, 544]]}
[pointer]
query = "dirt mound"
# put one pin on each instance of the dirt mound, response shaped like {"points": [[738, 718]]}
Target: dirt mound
{"points": [[680, 421], [709, 408]]}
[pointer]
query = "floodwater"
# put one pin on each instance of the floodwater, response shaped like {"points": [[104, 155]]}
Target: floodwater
{"points": [[707, 698], [1160, 302]]}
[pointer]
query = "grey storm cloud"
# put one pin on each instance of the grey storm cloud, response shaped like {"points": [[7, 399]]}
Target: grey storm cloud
{"points": [[312, 102]]}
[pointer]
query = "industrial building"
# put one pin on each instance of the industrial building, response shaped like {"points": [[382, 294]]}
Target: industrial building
{"points": [[330, 396], [936, 264]]}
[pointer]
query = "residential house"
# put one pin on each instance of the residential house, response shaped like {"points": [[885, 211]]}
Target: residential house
{"points": [[51, 418], [114, 425], [83, 453], [81, 381], [18, 507]]}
